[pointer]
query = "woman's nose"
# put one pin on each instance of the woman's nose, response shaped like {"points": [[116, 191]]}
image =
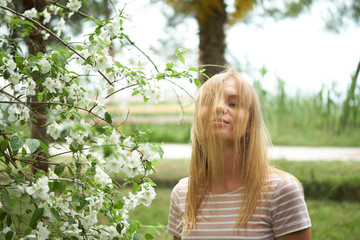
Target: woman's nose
{"points": [[220, 107]]}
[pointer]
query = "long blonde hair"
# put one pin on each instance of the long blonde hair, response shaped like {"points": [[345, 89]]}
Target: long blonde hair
{"points": [[251, 147]]}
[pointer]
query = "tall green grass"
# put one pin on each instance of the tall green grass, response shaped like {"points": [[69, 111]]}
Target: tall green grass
{"points": [[315, 119], [324, 118]]}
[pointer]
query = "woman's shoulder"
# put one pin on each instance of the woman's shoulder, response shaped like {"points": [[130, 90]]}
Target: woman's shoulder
{"points": [[182, 186], [281, 181]]}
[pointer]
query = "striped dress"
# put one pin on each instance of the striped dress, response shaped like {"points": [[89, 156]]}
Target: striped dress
{"points": [[282, 212]]}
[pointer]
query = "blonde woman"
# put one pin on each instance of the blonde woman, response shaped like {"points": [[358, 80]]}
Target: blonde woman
{"points": [[231, 191]]}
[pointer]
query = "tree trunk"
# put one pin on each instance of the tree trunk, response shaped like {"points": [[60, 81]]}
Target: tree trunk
{"points": [[36, 43], [212, 42]]}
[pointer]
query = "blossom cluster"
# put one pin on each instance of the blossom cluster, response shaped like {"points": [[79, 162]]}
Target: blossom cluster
{"points": [[69, 199]]}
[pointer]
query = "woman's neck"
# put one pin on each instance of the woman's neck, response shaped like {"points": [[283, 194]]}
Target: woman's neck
{"points": [[232, 170]]}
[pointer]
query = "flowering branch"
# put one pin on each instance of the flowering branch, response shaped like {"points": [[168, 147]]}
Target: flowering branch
{"points": [[53, 35]]}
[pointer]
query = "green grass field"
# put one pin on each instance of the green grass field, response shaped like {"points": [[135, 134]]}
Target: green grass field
{"points": [[331, 220]]}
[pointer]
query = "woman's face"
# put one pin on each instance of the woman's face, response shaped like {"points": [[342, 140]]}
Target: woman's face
{"points": [[229, 117]]}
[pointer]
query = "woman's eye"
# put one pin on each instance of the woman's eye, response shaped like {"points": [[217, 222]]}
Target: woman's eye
{"points": [[232, 104]]}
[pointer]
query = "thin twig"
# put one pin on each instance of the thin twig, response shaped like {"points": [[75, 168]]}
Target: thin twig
{"points": [[129, 86], [53, 35]]}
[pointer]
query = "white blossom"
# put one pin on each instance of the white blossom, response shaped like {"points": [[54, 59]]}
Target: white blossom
{"points": [[146, 195], [71, 229], [31, 87], [47, 16], [39, 189], [8, 16], [134, 160], [63, 204], [114, 26], [71, 90], [112, 232], [54, 129], [55, 9], [15, 78], [32, 13], [95, 202], [52, 175], [45, 34], [155, 93], [89, 220], [10, 65], [42, 232], [114, 165], [99, 141], [101, 177], [99, 109], [104, 37], [74, 5], [128, 143], [130, 202], [59, 28], [18, 113], [114, 138], [18, 188], [3, 3], [147, 152], [52, 84], [102, 61], [77, 137], [44, 65]]}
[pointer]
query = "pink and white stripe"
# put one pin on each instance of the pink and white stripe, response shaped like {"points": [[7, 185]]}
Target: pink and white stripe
{"points": [[282, 211]]}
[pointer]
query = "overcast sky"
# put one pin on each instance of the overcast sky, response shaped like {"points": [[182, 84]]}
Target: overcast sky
{"points": [[298, 51]]}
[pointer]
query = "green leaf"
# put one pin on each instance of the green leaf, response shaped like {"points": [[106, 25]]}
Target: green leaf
{"points": [[3, 146], [58, 186], [8, 219], [6, 196], [34, 120], [70, 220], [59, 169], [119, 227], [36, 216], [40, 97], [136, 236], [86, 3], [59, 59], [149, 236], [181, 58], [108, 118], [197, 82], [135, 187], [15, 22], [7, 74], [30, 24], [169, 66], [16, 143], [33, 144], [9, 235], [135, 92], [44, 147], [192, 69], [55, 214], [71, 171]]}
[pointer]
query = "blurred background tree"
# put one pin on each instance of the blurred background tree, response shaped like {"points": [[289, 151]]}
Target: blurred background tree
{"points": [[213, 16]]}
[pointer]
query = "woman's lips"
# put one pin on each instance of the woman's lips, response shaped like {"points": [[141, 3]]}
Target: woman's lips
{"points": [[222, 121]]}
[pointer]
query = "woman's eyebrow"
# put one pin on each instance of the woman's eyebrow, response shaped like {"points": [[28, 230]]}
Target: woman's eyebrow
{"points": [[233, 97]]}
